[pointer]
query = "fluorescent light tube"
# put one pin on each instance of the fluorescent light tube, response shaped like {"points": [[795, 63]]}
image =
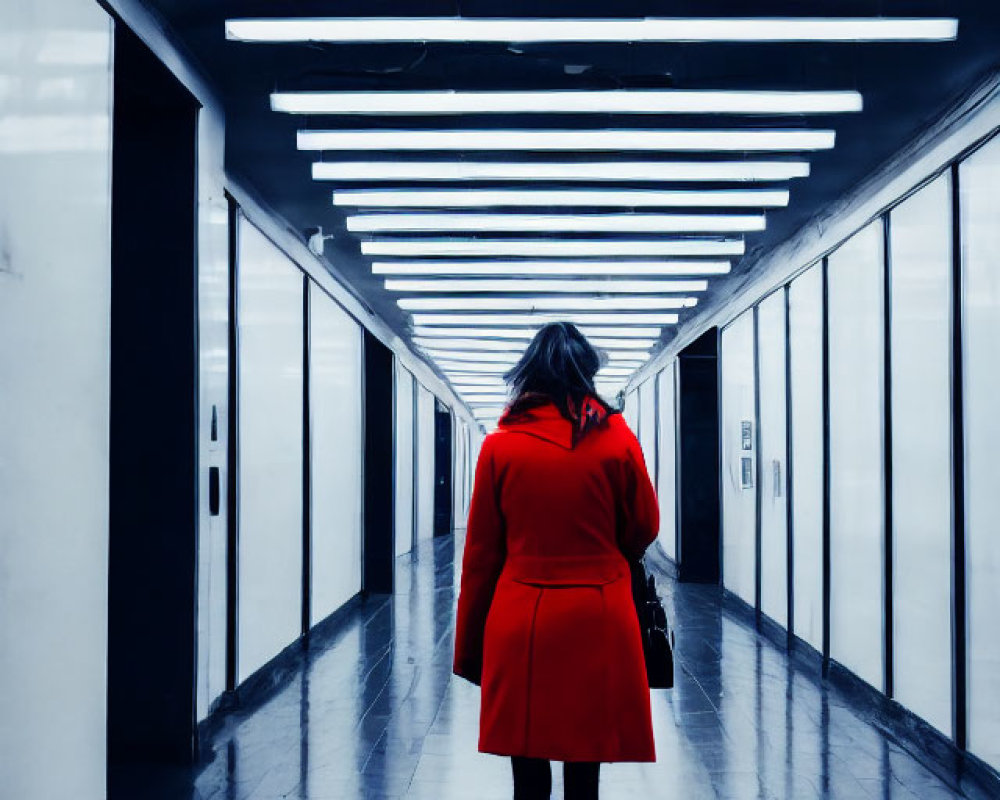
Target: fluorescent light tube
{"points": [[487, 412], [484, 398], [621, 372], [563, 304], [472, 380], [569, 268], [471, 347], [543, 285], [627, 198], [525, 334], [489, 357], [577, 318], [604, 101], [669, 140], [559, 223], [456, 367], [650, 29], [730, 171], [483, 358], [514, 346], [553, 247]]}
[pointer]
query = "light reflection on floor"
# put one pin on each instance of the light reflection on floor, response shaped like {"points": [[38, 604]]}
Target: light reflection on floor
{"points": [[374, 712]]}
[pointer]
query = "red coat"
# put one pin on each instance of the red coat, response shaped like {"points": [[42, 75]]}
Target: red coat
{"points": [[546, 619]]}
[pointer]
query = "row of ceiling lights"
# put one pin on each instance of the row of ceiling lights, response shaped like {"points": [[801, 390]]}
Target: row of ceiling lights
{"points": [[473, 338]]}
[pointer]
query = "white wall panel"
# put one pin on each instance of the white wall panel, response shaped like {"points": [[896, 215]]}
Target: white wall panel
{"points": [[980, 204], [270, 450], [336, 451], [647, 425], [461, 465], [667, 459], [856, 274], [774, 474], [920, 336], [739, 459], [55, 277], [474, 440], [805, 322], [630, 411], [405, 466], [425, 463], [213, 391]]}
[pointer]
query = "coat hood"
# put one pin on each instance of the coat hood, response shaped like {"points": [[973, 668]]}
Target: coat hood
{"points": [[545, 421]]}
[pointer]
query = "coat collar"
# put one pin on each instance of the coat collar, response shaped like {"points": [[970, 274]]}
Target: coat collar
{"points": [[546, 422]]}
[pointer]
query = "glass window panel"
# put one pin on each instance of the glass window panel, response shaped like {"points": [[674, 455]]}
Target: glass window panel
{"points": [[667, 460], [920, 337], [980, 203], [856, 273], [773, 494], [335, 406], [647, 425], [404, 451], [425, 463], [739, 453], [805, 338], [270, 432]]}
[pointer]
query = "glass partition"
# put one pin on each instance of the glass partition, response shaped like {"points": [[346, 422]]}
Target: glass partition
{"points": [[425, 463], [270, 295], [666, 482], [631, 410], [404, 458], [773, 495], [979, 178], [336, 451], [856, 275], [805, 341], [647, 425], [920, 344]]}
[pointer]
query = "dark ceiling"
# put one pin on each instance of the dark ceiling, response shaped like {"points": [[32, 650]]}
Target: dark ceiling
{"points": [[905, 87]]}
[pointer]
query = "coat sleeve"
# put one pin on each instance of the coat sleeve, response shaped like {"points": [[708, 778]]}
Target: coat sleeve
{"points": [[485, 552], [640, 513]]}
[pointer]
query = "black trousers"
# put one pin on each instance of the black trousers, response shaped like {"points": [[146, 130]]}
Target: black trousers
{"points": [[533, 779]]}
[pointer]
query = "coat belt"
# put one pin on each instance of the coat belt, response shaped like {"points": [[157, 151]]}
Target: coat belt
{"points": [[566, 570]]}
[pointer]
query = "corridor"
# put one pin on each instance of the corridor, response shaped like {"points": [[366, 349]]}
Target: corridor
{"points": [[268, 276], [371, 711]]}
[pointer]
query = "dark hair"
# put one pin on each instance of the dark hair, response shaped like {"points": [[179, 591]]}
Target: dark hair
{"points": [[558, 366]]}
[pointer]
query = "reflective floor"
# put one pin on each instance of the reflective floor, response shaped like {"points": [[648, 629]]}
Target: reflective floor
{"points": [[374, 712]]}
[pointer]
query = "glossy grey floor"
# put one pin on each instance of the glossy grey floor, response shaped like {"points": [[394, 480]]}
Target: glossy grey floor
{"points": [[374, 712]]}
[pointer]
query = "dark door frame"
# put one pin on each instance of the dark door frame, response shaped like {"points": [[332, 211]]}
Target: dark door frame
{"points": [[154, 467]]}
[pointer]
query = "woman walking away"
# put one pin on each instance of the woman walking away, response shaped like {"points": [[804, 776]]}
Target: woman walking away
{"points": [[546, 620]]}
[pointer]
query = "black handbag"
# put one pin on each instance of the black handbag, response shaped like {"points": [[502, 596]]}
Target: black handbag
{"points": [[657, 638]]}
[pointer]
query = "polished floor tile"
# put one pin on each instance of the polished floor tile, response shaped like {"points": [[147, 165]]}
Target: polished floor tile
{"points": [[373, 712]]}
